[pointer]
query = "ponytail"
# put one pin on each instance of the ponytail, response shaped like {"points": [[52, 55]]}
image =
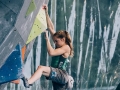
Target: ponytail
{"points": [[69, 42]]}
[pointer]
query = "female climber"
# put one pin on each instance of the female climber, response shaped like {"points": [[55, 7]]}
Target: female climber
{"points": [[63, 49]]}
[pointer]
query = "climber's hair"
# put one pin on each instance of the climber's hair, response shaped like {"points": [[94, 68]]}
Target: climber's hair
{"points": [[64, 34]]}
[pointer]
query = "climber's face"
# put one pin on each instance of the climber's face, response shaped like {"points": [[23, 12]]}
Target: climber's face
{"points": [[59, 42]]}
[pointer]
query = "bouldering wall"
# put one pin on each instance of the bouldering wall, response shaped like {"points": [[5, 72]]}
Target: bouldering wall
{"points": [[17, 27]]}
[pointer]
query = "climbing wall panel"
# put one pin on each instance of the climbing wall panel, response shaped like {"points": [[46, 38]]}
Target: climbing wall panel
{"points": [[31, 8], [39, 25], [13, 5], [12, 69]]}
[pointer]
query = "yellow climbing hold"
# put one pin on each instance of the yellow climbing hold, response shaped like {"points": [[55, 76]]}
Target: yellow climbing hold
{"points": [[31, 7], [39, 25]]}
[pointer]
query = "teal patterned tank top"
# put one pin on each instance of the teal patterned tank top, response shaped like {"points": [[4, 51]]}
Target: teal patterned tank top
{"points": [[59, 62]]}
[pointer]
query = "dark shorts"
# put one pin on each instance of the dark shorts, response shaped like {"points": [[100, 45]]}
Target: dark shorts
{"points": [[59, 78]]}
